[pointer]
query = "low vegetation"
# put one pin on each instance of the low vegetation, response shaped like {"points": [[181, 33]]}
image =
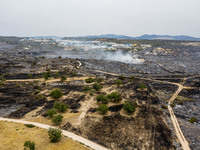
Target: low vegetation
{"points": [[118, 82], [97, 86], [30, 145], [51, 112], [54, 135], [29, 125], [115, 97], [56, 93], [57, 119], [102, 99], [89, 80], [142, 86], [130, 107], [192, 120], [61, 107], [86, 88], [63, 78], [103, 109]]}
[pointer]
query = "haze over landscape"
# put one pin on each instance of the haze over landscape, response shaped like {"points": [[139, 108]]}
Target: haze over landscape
{"points": [[96, 17]]}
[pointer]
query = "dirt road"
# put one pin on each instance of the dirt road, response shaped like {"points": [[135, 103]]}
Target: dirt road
{"points": [[65, 133]]}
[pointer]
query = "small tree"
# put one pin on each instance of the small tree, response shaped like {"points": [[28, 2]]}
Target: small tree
{"points": [[57, 119], [192, 120], [99, 80], [103, 109], [56, 93], [130, 107], [142, 86], [118, 82], [51, 112], [103, 99], [60, 106], [97, 86], [29, 75], [114, 96], [121, 77], [63, 78], [86, 88], [56, 74], [54, 134], [30, 145], [89, 80]]}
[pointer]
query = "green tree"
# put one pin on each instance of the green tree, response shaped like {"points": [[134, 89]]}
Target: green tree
{"points": [[118, 82], [63, 78], [51, 112], [97, 86], [192, 120], [103, 99], [56, 93], [30, 145], [89, 80], [103, 109], [57, 119], [142, 86], [56, 74], [29, 75], [60, 106], [99, 80], [86, 88], [54, 134], [115, 97], [130, 107]]}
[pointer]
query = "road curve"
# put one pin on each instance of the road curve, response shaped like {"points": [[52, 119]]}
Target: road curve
{"points": [[65, 133]]}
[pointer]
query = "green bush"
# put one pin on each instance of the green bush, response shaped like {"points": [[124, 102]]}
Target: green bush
{"points": [[36, 92], [60, 106], [30, 145], [89, 80], [130, 107], [63, 78], [103, 109], [54, 134], [99, 80], [103, 99], [29, 75], [29, 125], [56, 93], [142, 86], [192, 120], [118, 82], [47, 75], [97, 86], [37, 87], [56, 74], [73, 74], [57, 119], [86, 88], [51, 112], [121, 77], [115, 97]]}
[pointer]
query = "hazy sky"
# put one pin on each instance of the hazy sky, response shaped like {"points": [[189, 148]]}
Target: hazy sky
{"points": [[93, 17]]}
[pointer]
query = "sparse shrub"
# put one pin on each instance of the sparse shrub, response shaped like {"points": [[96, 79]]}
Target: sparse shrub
{"points": [[63, 78], [37, 87], [73, 74], [60, 106], [54, 134], [192, 120], [89, 80], [103, 109], [99, 80], [86, 88], [30, 145], [57, 119], [29, 125], [172, 105], [47, 75], [36, 92], [56, 74], [118, 82], [51, 112], [103, 99], [97, 86], [121, 77], [59, 57], [40, 97], [142, 86], [130, 107], [115, 96], [29, 75], [164, 106], [56, 93]]}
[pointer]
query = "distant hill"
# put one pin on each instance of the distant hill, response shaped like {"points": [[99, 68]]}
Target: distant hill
{"points": [[143, 37], [47, 37]]}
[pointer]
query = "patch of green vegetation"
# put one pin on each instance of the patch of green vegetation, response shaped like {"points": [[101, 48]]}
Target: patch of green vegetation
{"points": [[51, 112], [103, 99], [47, 75], [130, 107], [57, 119], [63, 78], [103, 109], [56, 93], [182, 98], [121, 77], [36, 92], [115, 97], [29, 125], [89, 80], [56, 75], [118, 82], [86, 88], [97, 86], [142, 86], [54, 135], [60, 106], [30, 145], [192, 120], [74, 74], [37, 87], [29, 75], [99, 80]]}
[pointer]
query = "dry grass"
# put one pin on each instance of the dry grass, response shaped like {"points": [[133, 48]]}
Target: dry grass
{"points": [[13, 136]]}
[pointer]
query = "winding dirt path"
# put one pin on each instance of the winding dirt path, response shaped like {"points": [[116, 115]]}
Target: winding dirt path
{"points": [[65, 133]]}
